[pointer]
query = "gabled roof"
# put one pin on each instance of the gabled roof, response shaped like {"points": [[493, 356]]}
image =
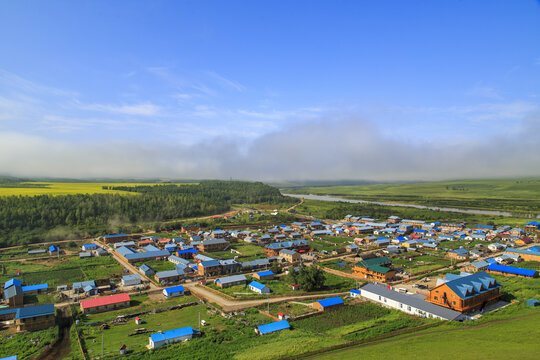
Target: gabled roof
{"points": [[512, 270], [35, 311], [355, 291], [12, 291], [131, 277], [150, 248], [265, 273], [411, 300], [210, 263], [231, 279], [382, 260], [174, 289], [172, 334], [125, 251], [257, 285], [147, 255], [114, 235], [275, 326], [145, 268], [12, 282], [470, 285], [330, 302], [480, 264], [169, 273], [107, 300]]}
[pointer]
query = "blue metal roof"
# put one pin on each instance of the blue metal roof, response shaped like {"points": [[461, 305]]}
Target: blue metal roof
{"points": [[34, 311], [257, 285], [512, 270], [188, 251], [114, 235], [265, 273], [275, 326], [53, 248], [174, 289], [355, 291], [172, 334], [231, 279], [13, 357], [35, 287], [330, 302], [146, 255], [150, 248], [89, 246], [12, 282], [472, 285]]}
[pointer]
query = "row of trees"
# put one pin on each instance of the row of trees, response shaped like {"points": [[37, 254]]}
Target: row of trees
{"points": [[25, 219]]}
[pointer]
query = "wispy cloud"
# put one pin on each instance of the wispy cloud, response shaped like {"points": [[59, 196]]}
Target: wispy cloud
{"points": [[484, 92], [142, 109], [226, 83]]}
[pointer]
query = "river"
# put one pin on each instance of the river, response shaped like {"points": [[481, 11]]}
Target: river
{"points": [[457, 210]]}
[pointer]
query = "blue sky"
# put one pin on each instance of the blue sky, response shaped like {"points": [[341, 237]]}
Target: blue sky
{"points": [[213, 88]]}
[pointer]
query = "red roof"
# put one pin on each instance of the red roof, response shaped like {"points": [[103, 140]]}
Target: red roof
{"points": [[113, 299], [162, 241], [147, 241]]}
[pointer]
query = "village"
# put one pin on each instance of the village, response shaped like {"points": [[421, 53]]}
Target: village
{"points": [[128, 294]]}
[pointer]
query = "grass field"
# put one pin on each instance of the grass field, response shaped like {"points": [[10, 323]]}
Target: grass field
{"points": [[63, 188], [56, 272], [515, 339], [22, 345], [520, 195]]}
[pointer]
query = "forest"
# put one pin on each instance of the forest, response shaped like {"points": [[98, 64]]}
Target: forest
{"points": [[28, 219]]}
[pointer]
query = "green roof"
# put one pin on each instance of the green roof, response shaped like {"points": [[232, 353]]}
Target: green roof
{"points": [[379, 269], [367, 263]]}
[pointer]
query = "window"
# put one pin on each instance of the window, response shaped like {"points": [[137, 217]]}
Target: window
{"points": [[453, 303], [380, 298], [409, 308], [401, 306], [436, 298]]}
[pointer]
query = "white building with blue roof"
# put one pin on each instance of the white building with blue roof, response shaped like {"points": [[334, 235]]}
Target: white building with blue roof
{"points": [[174, 291], [259, 288], [272, 327], [170, 337]]}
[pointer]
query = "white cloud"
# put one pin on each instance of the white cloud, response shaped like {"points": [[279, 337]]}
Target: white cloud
{"points": [[142, 109], [224, 82]]}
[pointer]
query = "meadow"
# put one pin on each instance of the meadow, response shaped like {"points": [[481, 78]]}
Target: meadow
{"points": [[516, 195], [65, 188], [513, 339], [22, 344]]}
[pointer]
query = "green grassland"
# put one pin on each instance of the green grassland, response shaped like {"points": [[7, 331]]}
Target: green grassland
{"points": [[518, 195], [515, 339], [63, 188], [22, 345], [57, 272]]}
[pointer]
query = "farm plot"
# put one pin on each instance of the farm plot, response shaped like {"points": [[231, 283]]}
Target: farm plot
{"points": [[27, 344]]}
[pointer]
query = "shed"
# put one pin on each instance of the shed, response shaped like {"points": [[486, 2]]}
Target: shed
{"points": [[259, 288], [130, 280], [354, 293], [272, 327], [173, 291], [327, 304], [264, 275]]}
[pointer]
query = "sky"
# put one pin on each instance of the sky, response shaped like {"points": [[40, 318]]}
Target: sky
{"points": [[270, 90]]}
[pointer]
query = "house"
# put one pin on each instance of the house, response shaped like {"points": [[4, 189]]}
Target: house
{"points": [[450, 227], [101, 252], [511, 271], [85, 254], [219, 234], [408, 303], [13, 294], [124, 244], [88, 287], [229, 281], [259, 288], [475, 253], [351, 248], [149, 248], [187, 253], [532, 226], [255, 264], [89, 247], [496, 247], [130, 280], [394, 219], [354, 293], [530, 254], [328, 304], [465, 292], [173, 291], [133, 257], [30, 318], [169, 337], [458, 254], [272, 327], [229, 266], [525, 240], [169, 276], [290, 255], [273, 249], [212, 244], [378, 269], [417, 224], [146, 270], [106, 303], [53, 250], [264, 275], [209, 268], [114, 238], [476, 266]]}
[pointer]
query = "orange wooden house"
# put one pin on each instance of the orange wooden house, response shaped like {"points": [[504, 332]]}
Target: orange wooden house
{"points": [[378, 269], [466, 292]]}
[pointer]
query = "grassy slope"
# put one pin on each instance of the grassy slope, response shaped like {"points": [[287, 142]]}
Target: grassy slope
{"points": [[62, 188], [518, 195], [515, 339]]}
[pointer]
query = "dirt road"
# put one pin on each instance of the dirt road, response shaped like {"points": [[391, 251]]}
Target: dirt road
{"points": [[62, 347], [235, 305]]}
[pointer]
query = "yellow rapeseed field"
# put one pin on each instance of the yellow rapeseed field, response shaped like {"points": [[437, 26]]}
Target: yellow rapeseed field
{"points": [[61, 188]]}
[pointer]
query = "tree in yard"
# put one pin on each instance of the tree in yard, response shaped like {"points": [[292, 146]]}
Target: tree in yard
{"points": [[310, 278]]}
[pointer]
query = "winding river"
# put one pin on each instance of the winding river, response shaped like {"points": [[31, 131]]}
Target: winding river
{"points": [[457, 210]]}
